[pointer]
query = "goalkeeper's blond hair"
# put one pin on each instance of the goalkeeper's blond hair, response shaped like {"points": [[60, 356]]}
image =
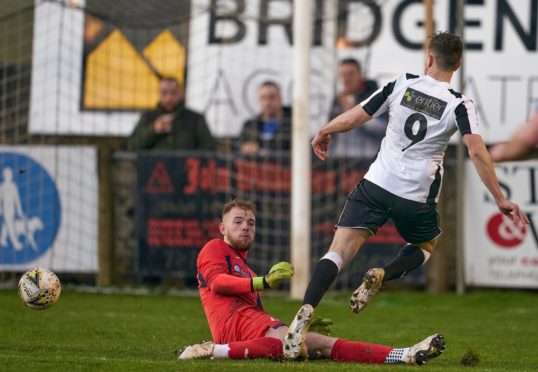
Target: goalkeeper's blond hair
{"points": [[237, 203]]}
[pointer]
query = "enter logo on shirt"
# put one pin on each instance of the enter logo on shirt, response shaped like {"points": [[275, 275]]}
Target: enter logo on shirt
{"points": [[424, 103]]}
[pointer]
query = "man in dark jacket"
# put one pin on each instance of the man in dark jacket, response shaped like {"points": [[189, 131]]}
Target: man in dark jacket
{"points": [[270, 131], [361, 142], [171, 126]]}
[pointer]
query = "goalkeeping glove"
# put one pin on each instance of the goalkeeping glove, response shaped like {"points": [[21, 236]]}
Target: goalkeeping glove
{"points": [[321, 325], [282, 270]]}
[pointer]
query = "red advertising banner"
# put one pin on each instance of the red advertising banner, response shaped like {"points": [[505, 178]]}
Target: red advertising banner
{"points": [[179, 197]]}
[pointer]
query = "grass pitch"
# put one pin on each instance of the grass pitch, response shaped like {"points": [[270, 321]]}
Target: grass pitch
{"points": [[116, 332]]}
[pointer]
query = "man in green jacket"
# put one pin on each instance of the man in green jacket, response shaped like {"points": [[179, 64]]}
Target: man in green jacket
{"points": [[171, 126]]}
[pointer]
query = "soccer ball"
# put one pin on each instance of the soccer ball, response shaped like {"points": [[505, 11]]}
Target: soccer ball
{"points": [[39, 288]]}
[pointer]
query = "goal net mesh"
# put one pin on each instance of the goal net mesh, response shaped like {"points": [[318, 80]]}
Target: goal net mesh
{"points": [[76, 73]]}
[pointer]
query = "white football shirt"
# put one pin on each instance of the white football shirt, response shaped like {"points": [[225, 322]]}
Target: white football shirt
{"points": [[423, 114]]}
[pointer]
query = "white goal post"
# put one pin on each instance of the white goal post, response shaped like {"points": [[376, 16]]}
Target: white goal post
{"points": [[301, 163]]}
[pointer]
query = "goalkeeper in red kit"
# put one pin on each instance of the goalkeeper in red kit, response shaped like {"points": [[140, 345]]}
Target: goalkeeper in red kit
{"points": [[241, 329]]}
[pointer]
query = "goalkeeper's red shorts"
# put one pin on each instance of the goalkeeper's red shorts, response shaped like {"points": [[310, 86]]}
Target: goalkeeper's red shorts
{"points": [[245, 324]]}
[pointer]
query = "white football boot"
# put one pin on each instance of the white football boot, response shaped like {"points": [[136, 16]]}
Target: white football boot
{"points": [[429, 348], [294, 345], [371, 283], [197, 351]]}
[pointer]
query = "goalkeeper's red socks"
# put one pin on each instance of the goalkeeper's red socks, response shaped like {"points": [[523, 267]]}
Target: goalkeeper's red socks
{"points": [[343, 351], [361, 352], [263, 347]]}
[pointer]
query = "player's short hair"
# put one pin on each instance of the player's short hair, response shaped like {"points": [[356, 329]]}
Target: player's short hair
{"points": [[447, 49], [270, 83], [352, 61], [237, 203]]}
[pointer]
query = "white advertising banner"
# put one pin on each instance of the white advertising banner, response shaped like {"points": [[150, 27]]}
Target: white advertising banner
{"points": [[497, 252], [237, 44], [48, 208], [232, 51], [241, 43], [57, 72]]}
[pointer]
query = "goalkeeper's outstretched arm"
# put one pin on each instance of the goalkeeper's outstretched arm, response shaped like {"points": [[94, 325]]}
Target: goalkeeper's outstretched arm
{"points": [[229, 285]]}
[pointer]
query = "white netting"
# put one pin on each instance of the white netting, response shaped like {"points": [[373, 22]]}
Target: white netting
{"points": [[48, 193], [90, 67]]}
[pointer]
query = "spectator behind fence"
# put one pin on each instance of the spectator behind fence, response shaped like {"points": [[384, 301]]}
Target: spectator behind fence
{"points": [[522, 143], [363, 141], [171, 126], [270, 131]]}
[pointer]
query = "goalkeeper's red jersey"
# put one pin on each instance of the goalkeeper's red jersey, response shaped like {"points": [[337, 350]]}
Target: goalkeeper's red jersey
{"points": [[217, 258]]}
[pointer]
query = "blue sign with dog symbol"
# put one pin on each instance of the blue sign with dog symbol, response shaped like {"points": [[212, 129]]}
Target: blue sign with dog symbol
{"points": [[30, 210]]}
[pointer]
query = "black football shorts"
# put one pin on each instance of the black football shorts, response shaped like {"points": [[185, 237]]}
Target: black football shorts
{"points": [[370, 206]]}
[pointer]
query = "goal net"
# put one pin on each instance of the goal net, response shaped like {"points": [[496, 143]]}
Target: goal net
{"points": [[76, 76]]}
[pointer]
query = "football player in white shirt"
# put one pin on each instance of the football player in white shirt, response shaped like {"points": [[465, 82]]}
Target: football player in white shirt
{"points": [[404, 181]]}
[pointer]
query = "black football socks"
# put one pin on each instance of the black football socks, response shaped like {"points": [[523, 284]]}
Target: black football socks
{"points": [[409, 258], [324, 274]]}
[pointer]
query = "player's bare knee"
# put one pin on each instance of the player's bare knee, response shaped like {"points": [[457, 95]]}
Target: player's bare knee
{"points": [[279, 332], [428, 246]]}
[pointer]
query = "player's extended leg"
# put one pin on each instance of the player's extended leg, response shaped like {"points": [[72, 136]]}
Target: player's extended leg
{"points": [[362, 352], [345, 245], [321, 346], [410, 257], [263, 347], [416, 222]]}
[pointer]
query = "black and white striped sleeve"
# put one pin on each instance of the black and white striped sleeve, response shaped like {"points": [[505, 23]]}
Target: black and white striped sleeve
{"points": [[466, 117], [378, 102]]}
